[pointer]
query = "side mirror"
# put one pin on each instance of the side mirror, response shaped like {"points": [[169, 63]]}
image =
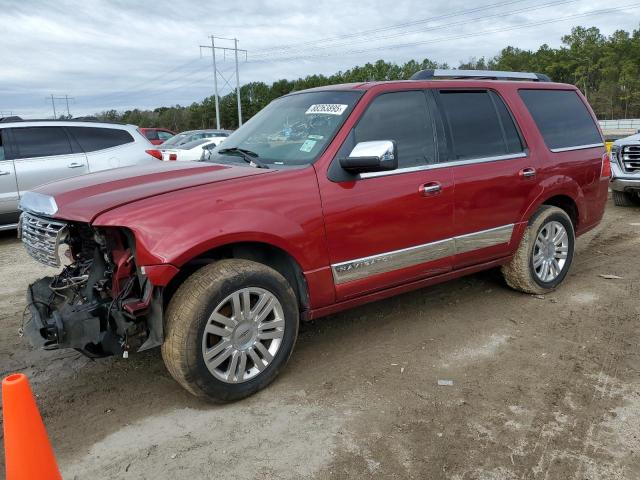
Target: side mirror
{"points": [[376, 156]]}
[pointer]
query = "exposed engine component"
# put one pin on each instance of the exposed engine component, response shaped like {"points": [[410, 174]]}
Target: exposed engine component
{"points": [[99, 303]]}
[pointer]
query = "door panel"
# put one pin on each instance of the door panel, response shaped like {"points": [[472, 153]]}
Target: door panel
{"points": [[493, 174], [8, 192], [384, 231], [33, 172], [388, 228]]}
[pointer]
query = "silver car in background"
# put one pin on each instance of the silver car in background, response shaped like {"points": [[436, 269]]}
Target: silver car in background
{"points": [[625, 171], [37, 152]]}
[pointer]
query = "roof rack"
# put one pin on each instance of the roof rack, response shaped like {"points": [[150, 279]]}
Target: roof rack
{"points": [[10, 119], [88, 119], [479, 74]]}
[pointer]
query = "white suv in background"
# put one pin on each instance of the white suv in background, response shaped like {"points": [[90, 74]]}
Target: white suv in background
{"points": [[37, 152]]}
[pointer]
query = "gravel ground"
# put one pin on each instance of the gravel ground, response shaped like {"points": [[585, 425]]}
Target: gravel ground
{"points": [[542, 387]]}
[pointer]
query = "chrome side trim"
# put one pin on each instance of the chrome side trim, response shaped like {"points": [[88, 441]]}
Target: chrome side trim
{"points": [[578, 147], [496, 158], [386, 262], [485, 238]]}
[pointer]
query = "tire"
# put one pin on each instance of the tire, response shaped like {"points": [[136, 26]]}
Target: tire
{"points": [[625, 199], [193, 331], [522, 273]]}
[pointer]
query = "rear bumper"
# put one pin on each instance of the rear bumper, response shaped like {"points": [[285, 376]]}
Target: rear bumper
{"points": [[621, 181]]}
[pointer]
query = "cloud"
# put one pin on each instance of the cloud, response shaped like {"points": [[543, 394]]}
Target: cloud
{"points": [[121, 54]]}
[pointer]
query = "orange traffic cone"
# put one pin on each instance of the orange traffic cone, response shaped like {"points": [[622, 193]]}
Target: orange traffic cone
{"points": [[28, 454]]}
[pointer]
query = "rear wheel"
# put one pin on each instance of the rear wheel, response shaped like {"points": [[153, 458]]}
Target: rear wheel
{"points": [[230, 328], [625, 199], [545, 253]]}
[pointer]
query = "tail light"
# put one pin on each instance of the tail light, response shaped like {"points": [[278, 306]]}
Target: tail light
{"points": [[155, 153], [605, 172], [173, 156]]}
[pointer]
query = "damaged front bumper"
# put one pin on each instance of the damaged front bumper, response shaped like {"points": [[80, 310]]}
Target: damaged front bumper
{"points": [[70, 326]]}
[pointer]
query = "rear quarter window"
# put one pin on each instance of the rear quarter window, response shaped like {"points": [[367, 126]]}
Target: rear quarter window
{"points": [[562, 118], [92, 139]]}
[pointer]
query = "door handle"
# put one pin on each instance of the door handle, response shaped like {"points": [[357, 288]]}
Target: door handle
{"points": [[430, 188], [527, 172], [4, 172], [75, 165]]}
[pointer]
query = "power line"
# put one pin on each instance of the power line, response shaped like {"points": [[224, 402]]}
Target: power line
{"points": [[393, 27], [440, 27], [448, 38]]}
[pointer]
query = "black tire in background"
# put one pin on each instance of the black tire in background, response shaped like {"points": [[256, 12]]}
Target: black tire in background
{"points": [[625, 199]]}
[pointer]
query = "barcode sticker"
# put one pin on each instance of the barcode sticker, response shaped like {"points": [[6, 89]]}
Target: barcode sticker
{"points": [[326, 109]]}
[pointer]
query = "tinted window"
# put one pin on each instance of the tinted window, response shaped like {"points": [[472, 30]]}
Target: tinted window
{"points": [[1, 147], [151, 134], [164, 135], [403, 117], [479, 125], [95, 138], [561, 117], [31, 142]]}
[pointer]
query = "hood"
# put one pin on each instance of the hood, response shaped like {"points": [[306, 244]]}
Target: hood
{"points": [[626, 140], [85, 197]]}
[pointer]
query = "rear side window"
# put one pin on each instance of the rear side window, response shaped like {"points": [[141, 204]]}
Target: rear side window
{"points": [[151, 134], [96, 138], [32, 142], [479, 125], [162, 135], [403, 117], [562, 118]]}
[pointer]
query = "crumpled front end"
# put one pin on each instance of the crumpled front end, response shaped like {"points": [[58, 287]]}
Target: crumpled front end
{"points": [[100, 303]]}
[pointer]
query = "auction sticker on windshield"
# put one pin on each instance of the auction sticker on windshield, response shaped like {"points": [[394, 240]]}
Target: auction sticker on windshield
{"points": [[326, 109]]}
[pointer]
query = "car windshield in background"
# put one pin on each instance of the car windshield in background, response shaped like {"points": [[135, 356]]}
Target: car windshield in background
{"points": [[292, 130], [193, 143], [175, 140]]}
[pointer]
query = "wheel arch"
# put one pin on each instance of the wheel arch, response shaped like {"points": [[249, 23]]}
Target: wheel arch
{"points": [[258, 251], [566, 203]]}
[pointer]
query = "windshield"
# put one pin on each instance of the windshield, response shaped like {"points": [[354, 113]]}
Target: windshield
{"points": [[175, 140], [292, 130], [192, 144]]}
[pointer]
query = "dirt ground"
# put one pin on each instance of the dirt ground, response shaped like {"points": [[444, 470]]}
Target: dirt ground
{"points": [[543, 387]]}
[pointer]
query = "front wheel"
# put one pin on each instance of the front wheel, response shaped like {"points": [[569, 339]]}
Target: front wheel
{"points": [[230, 329], [545, 253]]}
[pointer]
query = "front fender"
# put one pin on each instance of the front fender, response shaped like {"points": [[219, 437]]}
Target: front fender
{"points": [[282, 209]]}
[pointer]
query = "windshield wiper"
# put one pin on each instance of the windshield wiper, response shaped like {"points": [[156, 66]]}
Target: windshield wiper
{"points": [[247, 155]]}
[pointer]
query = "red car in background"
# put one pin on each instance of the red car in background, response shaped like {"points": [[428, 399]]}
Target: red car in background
{"points": [[157, 135]]}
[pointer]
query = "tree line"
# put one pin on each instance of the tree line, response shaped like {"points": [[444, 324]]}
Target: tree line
{"points": [[605, 68]]}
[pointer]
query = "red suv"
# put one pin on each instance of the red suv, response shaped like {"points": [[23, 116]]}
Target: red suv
{"points": [[157, 136], [329, 198]]}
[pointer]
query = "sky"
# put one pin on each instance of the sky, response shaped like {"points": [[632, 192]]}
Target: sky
{"points": [[118, 54]]}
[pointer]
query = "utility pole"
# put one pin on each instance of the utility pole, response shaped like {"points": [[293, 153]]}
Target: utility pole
{"points": [[217, 72], [235, 49], [53, 105], [66, 98]]}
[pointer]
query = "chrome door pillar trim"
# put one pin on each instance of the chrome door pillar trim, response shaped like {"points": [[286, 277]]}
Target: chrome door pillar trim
{"points": [[360, 268]]}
